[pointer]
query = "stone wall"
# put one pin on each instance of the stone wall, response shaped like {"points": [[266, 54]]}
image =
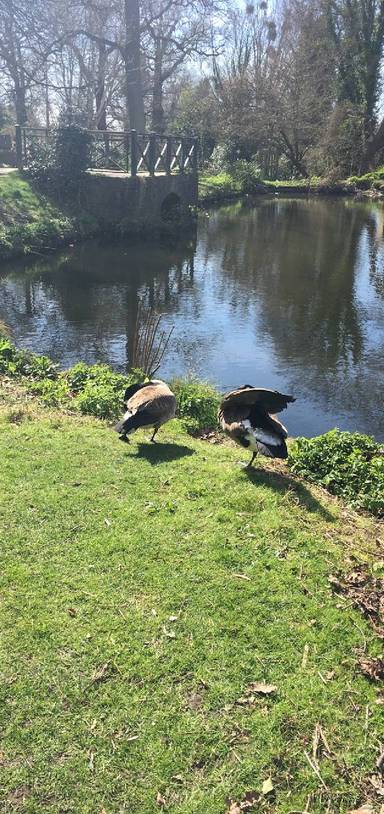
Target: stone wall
{"points": [[143, 203]]}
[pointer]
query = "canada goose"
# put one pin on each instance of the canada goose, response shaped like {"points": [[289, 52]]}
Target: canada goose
{"points": [[247, 415], [149, 404]]}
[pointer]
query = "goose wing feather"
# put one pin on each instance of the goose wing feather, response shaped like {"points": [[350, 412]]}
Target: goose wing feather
{"points": [[270, 401], [157, 400]]}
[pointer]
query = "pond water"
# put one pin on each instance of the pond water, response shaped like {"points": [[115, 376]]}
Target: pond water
{"points": [[284, 293]]}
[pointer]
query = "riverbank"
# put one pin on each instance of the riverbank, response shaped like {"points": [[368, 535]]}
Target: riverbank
{"points": [[225, 187], [349, 465], [31, 223], [170, 648]]}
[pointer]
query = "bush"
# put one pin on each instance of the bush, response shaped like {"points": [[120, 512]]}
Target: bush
{"points": [[197, 404], [52, 392], [247, 174], [60, 164], [100, 400], [81, 374], [349, 465]]}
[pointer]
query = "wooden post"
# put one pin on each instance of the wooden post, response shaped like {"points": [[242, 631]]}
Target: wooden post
{"points": [[182, 154], [195, 154], [152, 153], [168, 156], [19, 147], [134, 153]]}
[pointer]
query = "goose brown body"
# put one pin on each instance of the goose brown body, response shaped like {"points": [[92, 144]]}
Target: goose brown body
{"points": [[247, 415], [149, 404]]}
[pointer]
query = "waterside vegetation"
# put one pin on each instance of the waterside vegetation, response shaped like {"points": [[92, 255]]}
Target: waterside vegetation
{"points": [[349, 465]]}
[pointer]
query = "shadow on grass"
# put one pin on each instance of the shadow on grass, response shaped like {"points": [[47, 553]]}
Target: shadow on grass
{"points": [[160, 453], [283, 483]]}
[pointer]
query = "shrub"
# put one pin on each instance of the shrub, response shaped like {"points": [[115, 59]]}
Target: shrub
{"points": [[247, 174], [349, 465], [197, 403], [52, 392], [99, 399], [61, 163], [39, 367], [81, 374]]}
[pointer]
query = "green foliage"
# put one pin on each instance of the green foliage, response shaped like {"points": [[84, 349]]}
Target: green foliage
{"points": [[369, 180], [247, 174], [60, 163], [349, 465], [31, 222], [52, 393], [81, 374], [197, 403], [99, 391], [218, 187], [99, 399]]}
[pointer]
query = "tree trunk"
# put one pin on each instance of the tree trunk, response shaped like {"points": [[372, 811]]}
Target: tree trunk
{"points": [[157, 91], [134, 89], [100, 99], [372, 147], [19, 95]]}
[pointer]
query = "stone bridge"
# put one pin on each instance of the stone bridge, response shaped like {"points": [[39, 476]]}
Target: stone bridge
{"points": [[136, 181], [142, 202]]}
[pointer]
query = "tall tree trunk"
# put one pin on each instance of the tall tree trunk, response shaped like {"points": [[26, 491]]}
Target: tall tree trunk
{"points": [[100, 99], [20, 101], [134, 88], [157, 92], [373, 145]]}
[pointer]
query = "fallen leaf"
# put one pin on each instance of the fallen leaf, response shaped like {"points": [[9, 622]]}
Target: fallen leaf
{"points": [[91, 763], [195, 701], [260, 687], [246, 701], [101, 673], [170, 634], [160, 800], [107, 522], [72, 612], [172, 618], [247, 802], [267, 786], [372, 668]]}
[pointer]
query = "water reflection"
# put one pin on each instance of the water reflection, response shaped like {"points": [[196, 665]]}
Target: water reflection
{"points": [[286, 293]]}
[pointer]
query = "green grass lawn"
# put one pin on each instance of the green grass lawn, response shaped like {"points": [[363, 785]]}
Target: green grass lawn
{"points": [[30, 222], [143, 589]]}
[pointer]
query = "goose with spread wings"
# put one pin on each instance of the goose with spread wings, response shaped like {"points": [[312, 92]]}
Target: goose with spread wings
{"points": [[247, 415], [149, 404]]}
